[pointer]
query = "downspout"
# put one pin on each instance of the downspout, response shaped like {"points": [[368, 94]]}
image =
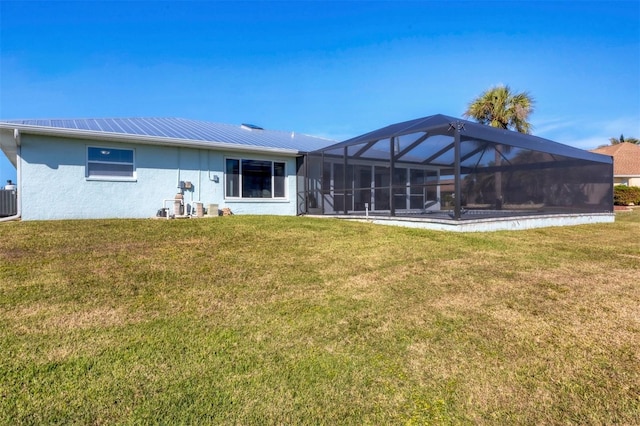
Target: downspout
{"points": [[16, 137]]}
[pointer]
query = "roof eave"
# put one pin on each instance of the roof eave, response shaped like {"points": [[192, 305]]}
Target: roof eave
{"points": [[9, 145], [143, 139]]}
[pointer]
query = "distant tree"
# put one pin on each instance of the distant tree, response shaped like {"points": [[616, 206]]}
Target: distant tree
{"points": [[622, 139], [500, 107]]}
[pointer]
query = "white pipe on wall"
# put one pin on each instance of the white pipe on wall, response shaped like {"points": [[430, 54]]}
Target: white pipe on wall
{"points": [[199, 184], [178, 170], [173, 200]]}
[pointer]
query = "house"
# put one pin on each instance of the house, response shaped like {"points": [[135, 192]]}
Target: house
{"points": [[440, 171], [139, 167], [626, 162]]}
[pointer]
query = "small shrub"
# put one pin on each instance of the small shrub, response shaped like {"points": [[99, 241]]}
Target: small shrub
{"points": [[626, 195]]}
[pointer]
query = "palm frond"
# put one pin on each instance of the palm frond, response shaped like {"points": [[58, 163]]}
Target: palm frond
{"points": [[500, 107]]}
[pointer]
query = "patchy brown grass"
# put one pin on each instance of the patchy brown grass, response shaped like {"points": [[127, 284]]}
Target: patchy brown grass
{"points": [[253, 320]]}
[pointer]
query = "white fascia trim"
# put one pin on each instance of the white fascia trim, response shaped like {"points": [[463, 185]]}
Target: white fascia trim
{"points": [[147, 140]]}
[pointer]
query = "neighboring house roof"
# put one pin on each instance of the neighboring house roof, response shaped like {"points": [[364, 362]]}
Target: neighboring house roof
{"points": [[626, 158], [174, 131]]}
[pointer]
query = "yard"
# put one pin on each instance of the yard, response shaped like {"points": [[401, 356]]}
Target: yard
{"points": [[293, 320]]}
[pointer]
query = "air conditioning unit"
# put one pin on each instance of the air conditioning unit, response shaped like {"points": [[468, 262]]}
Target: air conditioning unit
{"points": [[8, 203]]}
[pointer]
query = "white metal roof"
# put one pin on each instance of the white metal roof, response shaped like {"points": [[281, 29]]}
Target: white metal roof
{"points": [[175, 131]]}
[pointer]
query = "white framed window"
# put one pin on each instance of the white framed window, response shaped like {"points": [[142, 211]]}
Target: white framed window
{"points": [[110, 163], [246, 178]]}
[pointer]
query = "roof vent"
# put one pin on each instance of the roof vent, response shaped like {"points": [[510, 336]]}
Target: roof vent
{"points": [[251, 127]]}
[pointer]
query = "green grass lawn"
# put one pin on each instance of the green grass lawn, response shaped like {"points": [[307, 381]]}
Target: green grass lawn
{"points": [[293, 320]]}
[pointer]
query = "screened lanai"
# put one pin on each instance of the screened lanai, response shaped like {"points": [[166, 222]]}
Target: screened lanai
{"points": [[440, 166]]}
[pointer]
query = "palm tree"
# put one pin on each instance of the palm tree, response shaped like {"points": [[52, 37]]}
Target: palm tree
{"points": [[622, 139], [500, 107]]}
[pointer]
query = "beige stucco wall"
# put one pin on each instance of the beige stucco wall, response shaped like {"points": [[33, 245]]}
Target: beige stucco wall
{"points": [[629, 181], [634, 181]]}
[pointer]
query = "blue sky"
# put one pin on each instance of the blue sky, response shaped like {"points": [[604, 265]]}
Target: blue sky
{"points": [[333, 69]]}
